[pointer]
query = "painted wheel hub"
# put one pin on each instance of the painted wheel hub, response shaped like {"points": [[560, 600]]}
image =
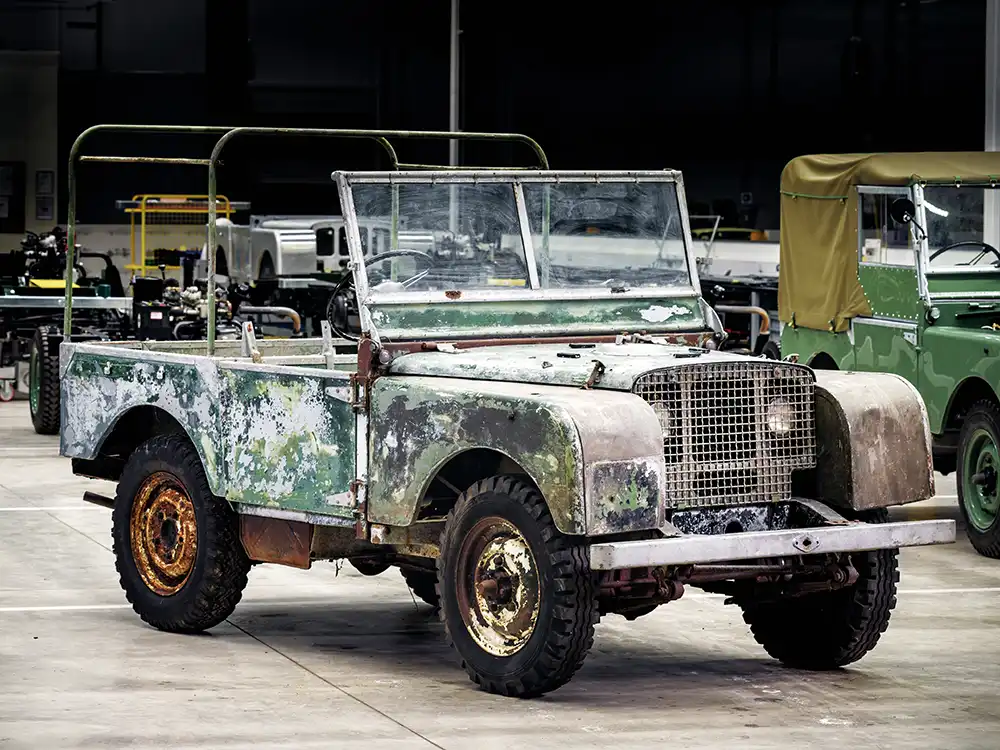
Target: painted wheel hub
{"points": [[164, 534], [498, 587], [981, 477]]}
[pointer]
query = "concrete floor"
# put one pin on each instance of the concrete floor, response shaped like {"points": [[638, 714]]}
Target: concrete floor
{"points": [[313, 659]]}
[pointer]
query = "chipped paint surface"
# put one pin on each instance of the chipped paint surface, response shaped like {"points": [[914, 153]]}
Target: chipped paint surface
{"points": [[557, 364], [287, 442], [98, 388], [555, 434], [625, 495], [266, 435], [418, 424], [469, 318], [659, 313]]}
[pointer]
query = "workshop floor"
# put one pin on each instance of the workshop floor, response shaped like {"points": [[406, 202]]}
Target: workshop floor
{"points": [[317, 659]]}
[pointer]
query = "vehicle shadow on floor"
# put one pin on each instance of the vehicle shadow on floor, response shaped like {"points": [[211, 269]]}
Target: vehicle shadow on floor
{"points": [[390, 639]]}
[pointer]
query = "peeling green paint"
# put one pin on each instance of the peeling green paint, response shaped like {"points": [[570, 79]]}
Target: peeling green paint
{"points": [[626, 495], [477, 318], [282, 439], [418, 424]]}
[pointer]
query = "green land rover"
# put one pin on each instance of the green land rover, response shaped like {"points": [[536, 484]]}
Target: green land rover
{"points": [[890, 263]]}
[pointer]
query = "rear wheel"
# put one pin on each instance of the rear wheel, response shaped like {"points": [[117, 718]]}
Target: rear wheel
{"points": [[43, 382], [979, 477], [771, 350], [177, 549], [518, 599], [423, 584], [829, 629]]}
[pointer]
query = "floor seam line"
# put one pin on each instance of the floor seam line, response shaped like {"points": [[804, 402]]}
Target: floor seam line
{"points": [[335, 686]]}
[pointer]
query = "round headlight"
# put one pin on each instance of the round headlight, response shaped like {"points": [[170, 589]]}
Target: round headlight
{"points": [[662, 414], [780, 416]]}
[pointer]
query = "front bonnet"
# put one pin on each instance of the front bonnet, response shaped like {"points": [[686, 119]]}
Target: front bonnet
{"points": [[608, 366]]}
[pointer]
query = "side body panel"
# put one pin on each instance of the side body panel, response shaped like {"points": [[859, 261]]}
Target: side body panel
{"points": [[887, 346], [889, 339], [807, 344], [287, 438], [596, 456], [951, 356], [267, 434]]}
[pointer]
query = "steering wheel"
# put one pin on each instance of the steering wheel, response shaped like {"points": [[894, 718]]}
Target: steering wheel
{"points": [[987, 248], [336, 308]]}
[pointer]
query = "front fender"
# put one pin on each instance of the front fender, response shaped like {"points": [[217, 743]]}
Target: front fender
{"points": [[873, 441], [596, 456]]}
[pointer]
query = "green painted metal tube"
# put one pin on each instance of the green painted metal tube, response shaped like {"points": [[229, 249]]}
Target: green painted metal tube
{"points": [[379, 136], [74, 156]]}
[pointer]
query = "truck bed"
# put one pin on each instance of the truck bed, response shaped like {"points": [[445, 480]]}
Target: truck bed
{"points": [[279, 432]]}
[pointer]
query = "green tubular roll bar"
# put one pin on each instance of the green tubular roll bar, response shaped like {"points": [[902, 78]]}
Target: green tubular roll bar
{"points": [[228, 133]]}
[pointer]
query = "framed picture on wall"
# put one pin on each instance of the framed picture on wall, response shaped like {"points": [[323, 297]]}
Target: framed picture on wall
{"points": [[45, 182], [43, 208]]}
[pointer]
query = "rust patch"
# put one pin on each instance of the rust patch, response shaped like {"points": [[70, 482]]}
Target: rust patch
{"points": [[595, 374], [453, 294], [275, 540]]}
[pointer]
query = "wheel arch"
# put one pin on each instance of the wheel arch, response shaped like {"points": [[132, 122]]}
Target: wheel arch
{"points": [[126, 433], [823, 361], [460, 470], [971, 390]]}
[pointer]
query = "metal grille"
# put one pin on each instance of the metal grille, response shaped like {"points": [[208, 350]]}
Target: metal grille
{"points": [[733, 432]]}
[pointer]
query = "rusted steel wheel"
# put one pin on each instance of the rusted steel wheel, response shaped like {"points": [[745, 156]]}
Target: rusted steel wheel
{"points": [[830, 629], [177, 548], [518, 599], [164, 533]]}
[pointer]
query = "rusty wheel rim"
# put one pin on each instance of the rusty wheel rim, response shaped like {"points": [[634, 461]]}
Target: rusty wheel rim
{"points": [[164, 533], [498, 587]]}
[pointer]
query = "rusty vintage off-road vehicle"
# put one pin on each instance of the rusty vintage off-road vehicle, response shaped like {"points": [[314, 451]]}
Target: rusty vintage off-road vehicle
{"points": [[537, 429]]}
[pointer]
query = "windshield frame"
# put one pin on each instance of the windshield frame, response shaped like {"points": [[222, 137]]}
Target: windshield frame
{"points": [[923, 240], [368, 298]]}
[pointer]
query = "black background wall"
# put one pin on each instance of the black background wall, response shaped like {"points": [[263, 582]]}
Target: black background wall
{"points": [[726, 91]]}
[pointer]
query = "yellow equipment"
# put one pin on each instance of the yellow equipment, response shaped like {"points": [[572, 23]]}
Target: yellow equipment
{"points": [[169, 223]]}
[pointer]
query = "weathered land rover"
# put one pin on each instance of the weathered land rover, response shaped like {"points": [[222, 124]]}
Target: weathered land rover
{"points": [[537, 431], [886, 266]]}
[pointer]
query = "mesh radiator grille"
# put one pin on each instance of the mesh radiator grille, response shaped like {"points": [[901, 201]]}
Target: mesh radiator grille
{"points": [[733, 432]]}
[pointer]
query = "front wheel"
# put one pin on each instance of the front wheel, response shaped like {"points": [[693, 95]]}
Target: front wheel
{"points": [[518, 599], [979, 476], [177, 548], [830, 629]]}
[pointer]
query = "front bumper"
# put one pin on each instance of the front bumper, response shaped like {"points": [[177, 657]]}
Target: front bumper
{"points": [[691, 549]]}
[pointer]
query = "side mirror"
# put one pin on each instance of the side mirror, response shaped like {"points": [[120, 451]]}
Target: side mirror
{"points": [[902, 210]]}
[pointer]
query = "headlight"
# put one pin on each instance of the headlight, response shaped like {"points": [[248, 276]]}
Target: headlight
{"points": [[662, 414], [780, 416]]}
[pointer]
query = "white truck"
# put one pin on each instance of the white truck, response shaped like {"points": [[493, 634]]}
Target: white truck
{"points": [[289, 246]]}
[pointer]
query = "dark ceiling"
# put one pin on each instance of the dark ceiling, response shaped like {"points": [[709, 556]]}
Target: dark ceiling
{"points": [[726, 91]]}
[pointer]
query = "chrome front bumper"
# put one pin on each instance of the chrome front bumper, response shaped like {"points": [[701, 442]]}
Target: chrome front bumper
{"points": [[690, 549]]}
